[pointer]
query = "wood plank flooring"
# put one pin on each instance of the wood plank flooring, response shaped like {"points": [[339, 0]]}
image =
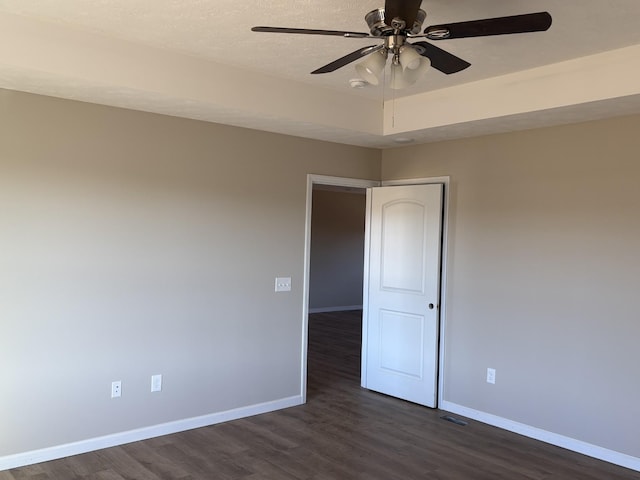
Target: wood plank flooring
{"points": [[343, 432]]}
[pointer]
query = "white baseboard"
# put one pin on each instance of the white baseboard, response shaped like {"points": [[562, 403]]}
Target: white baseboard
{"points": [[578, 446], [84, 446], [335, 309]]}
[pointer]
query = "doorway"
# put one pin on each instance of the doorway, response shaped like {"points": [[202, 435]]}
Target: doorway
{"points": [[335, 289], [329, 299], [337, 182]]}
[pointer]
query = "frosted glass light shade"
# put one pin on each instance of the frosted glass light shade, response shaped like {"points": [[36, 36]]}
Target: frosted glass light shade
{"points": [[403, 78], [372, 66], [409, 58], [412, 76]]}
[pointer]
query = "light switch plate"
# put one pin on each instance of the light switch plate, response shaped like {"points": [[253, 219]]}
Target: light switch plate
{"points": [[283, 284], [156, 383]]}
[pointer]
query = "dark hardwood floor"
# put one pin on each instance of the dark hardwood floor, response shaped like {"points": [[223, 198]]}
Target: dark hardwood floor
{"points": [[343, 432]]}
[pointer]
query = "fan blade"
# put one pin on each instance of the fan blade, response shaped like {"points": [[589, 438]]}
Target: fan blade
{"points": [[530, 22], [407, 10], [441, 60], [352, 57], [308, 31]]}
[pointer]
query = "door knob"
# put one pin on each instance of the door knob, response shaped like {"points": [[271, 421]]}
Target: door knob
{"points": [[431, 306]]}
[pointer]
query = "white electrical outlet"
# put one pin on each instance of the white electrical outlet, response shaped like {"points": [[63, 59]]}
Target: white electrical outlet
{"points": [[156, 383], [116, 389], [491, 375], [283, 284]]}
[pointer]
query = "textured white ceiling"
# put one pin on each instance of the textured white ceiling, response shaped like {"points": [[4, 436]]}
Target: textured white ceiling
{"points": [[218, 31]]}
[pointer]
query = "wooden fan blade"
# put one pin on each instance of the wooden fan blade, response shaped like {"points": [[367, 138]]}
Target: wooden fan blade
{"points": [[440, 59], [530, 22], [407, 10], [352, 57], [309, 31]]}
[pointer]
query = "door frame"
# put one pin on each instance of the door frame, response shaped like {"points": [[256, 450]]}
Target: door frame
{"points": [[314, 179]]}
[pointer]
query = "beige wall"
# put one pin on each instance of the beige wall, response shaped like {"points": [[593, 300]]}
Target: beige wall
{"points": [[337, 249], [543, 268], [135, 244]]}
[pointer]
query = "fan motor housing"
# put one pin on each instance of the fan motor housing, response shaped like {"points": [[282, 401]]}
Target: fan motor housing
{"points": [[379, 27]]}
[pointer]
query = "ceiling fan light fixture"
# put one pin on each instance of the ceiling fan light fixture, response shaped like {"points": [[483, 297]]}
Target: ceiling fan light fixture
{"points": [[412, 76], [405, 77], [372, 66], [409, 58]]}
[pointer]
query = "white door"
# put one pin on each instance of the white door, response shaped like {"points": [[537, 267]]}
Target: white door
{"points": [[401, 322]]}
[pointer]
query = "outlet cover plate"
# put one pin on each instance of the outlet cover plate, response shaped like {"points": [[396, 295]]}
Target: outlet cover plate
{"points": [[491, 375], [116, 389]]}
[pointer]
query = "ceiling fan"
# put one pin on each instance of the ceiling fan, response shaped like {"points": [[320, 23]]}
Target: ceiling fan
{"points": [[401, 20]]}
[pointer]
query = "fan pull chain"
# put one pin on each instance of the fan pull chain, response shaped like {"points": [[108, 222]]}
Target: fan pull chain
{"points": [[386, 76]]}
